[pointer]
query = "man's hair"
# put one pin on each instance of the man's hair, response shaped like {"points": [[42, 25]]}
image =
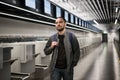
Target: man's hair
{"points": [[62, 18]]}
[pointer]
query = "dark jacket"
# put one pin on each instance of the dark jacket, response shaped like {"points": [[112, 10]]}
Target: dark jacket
{"points": [[72, 50]]}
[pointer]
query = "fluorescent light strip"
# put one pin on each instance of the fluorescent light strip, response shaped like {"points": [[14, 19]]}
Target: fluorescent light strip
{"points": [[83, 28], [87, 30], [95, 21], [77, 26], [116, 21], [77, 29], [116, 10]]}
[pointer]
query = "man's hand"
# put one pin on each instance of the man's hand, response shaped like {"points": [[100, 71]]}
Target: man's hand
{"points": [[53, 44]]}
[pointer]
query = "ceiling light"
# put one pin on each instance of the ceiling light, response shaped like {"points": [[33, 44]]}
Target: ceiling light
{"points": [[116, 21], [116, 10], [95, 22], [105, 32]]}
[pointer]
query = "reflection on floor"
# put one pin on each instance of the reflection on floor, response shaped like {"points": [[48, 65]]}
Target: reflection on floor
{"points": [[100, 64]]}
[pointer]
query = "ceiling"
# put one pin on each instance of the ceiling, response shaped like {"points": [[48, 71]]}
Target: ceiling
{"points": [[104, 12]]}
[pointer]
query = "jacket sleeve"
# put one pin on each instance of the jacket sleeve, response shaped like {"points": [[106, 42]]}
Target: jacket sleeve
{"points": [[76, 51], [48, 50]]}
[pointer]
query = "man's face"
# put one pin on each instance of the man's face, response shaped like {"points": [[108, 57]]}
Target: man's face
{"points": [[60, 24]]}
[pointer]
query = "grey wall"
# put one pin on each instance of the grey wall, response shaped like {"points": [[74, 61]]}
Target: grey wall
{"points": [[17, 27]]}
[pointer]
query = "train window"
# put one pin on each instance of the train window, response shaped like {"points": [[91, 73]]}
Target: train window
{"points": [[83, 23], [30, 3], [80, 22], [76, 20], [86, 24], [47, 7], [66, 15], [58, 11], [71, 18]]}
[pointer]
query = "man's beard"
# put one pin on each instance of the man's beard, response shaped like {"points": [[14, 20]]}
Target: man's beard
{"points": [[61, 29]]}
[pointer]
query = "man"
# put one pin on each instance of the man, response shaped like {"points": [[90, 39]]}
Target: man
{"points": [[65, 51]]}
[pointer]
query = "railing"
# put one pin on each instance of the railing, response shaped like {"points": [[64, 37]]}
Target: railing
{"points": [[87, 49]]}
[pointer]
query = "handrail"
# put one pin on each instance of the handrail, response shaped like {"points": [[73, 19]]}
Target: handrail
{"points": [[35, 55], [10, 61]]}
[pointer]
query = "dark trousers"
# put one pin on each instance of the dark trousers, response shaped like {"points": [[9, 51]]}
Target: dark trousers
{"points": [[59, 74]]}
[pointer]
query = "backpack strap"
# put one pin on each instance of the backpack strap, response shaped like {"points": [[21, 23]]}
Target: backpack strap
{"points": [[70, 38], [71, 41], [54, 37]]}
